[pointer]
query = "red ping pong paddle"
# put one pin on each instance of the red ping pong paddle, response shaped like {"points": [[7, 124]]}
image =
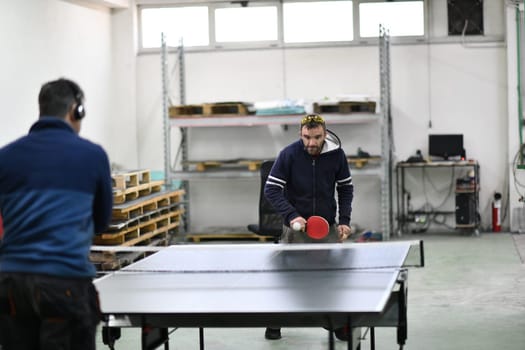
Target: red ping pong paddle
{"points": [[317, 227]]}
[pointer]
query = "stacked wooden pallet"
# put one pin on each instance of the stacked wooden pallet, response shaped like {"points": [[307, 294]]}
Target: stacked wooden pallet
{"points": [[144, 214], [131, 185]]}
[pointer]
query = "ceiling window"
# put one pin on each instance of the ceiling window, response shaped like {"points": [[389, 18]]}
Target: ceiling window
{"points": [[401, 18], [238, 24], [187, 23], [271, 23], [319, 21]]}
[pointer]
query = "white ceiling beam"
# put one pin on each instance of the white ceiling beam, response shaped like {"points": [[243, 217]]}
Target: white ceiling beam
{"points": [[105, 3]]}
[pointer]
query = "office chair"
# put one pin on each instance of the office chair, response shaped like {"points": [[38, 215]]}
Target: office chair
{"points": [[270, 222]]}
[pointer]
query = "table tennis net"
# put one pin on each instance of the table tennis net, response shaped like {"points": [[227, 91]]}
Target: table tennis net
{"points": [[252, 260]]}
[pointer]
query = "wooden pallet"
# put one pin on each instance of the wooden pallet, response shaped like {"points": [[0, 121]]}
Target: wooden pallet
{"points": [[143, 214], [359, 163], [211, 109], [132, 193], [130, 185], [185, 111], [142, 232], [137, 207], [127, 179], [114, 260], [118, 224], [226, 108], [345, 107], [199, 237], [206, 165]]}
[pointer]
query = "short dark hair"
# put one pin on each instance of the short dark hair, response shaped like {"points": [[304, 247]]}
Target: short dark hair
{"points": [[58, 96], [312, 121]]}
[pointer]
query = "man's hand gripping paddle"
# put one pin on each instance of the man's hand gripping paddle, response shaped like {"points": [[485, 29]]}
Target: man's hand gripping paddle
{"points": [[316, 227]]}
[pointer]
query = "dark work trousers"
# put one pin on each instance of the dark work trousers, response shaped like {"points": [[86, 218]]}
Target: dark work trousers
{"points": [[39, 312]]}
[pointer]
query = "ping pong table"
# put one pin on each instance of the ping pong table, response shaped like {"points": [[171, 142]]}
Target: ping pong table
{"points": [[260, 285]]}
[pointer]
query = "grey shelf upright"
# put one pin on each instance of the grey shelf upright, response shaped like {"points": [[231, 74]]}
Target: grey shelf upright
{"points": [[168, 169], [387, 144]]}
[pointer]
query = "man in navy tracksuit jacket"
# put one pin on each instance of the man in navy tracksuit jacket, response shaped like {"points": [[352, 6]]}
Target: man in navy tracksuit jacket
{"points": [[55, 194], [302, 183]]}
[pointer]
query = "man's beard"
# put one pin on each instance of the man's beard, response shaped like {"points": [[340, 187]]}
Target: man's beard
{"points": [[313, 151]]}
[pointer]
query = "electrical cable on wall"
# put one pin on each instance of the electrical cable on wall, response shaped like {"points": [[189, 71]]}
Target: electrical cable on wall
{"points": [[518, 184], [506, 202], [429, 77], [442, 222]]}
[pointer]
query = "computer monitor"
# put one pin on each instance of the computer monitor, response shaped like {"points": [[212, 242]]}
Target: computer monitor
{"points": [[446, 146]]}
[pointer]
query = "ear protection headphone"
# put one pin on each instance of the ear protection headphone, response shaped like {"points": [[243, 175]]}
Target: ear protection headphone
{"points": [[80, 111]]}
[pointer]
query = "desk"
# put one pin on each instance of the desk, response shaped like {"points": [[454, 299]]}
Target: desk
{"points": [[257, 285], [467, 198]]}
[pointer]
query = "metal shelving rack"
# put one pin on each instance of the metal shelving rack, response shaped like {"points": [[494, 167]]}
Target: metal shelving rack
{"points": [[384, 118], [248, 121], [406, 215]]}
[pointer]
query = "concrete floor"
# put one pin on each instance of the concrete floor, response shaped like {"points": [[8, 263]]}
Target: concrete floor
{"points": [[470, 295]]}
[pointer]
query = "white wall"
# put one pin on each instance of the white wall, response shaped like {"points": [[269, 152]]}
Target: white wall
{"points": [[123, 107], [43, 40]]}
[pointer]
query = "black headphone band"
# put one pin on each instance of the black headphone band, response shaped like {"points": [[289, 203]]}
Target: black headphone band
{"points": [[79, 111]]}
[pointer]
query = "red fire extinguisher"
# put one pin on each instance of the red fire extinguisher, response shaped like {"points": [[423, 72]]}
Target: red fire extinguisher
{"points": [[496, 213]]}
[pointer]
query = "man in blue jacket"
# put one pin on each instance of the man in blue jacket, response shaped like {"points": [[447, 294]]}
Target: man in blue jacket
{"points": [[55, 194], [302, 183]]}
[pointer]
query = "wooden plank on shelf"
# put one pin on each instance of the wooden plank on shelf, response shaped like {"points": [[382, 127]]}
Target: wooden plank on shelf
{"points": [[360, 162], [217, 109], [253, 165], [200, 237], [186, 111], [206, 165], [226, 108], [345, 107]]}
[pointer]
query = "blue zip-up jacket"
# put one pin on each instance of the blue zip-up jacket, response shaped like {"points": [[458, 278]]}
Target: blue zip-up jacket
{"points": [[302, 185], [55, 193]]}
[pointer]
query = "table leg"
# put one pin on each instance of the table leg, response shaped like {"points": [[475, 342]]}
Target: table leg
{"points": [[110, 335], [201, 338], [402, 304], [350, 343], [331, 343]]}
